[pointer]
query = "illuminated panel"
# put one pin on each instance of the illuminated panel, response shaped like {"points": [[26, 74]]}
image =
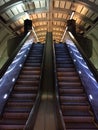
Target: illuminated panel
{"points": [[87, 78], [9, 78]]}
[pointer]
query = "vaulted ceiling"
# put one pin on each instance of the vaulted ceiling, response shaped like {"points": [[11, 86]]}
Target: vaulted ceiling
{"points": [[48, 15]]}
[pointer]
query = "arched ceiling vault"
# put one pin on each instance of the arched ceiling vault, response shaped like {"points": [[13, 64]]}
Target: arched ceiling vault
{"points": [[48, 15]]}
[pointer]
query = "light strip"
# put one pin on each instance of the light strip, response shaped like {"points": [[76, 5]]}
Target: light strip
{"points": [[27, 15], [35, 34], [64, 34], [72, 14]]}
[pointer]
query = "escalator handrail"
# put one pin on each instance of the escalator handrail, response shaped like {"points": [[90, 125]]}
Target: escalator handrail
{"points": [[60, 121], [32, 116], [8, 62], [9, 78]]}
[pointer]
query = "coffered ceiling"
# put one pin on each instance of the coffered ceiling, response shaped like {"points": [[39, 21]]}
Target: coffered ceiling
{"points": [[48, 15]]}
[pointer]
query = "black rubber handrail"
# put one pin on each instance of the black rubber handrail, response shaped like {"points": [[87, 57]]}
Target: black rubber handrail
{"points": [[8, 62], [59, 120]]}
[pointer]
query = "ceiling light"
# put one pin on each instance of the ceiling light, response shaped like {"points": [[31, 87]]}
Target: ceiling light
{"points": [[72, 14], [64, 34], [35, 33], [27, 15]]}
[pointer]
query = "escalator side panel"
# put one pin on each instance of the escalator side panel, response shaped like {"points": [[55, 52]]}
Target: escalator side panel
{"points": [[88, 80], [24, 94], [73, 100]]}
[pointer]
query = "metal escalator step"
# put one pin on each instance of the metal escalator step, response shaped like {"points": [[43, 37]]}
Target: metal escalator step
{"points": [[30, 72], [31, 68], [25, 82], [81, 126], [67, 74], [16, 115], [32, 64], [36, 61], [26, 88], [65, 65], [29, 77], [85, 103], [19, 104], [18, 109], [12, 122], [75, 107], [76, 112], [61, 84], [71, 90], [11, 127], [78, 119], [70, 79], [21, 100], [23, 95], [63, 69], [72, 98], [84, 129]]}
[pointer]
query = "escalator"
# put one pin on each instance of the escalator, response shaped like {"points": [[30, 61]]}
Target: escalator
{"points": [[24, 93], [76, 111]]}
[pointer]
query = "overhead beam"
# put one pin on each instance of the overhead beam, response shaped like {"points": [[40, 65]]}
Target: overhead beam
{"points": [[12, 3], [9, 5], [67, 11], [86, 3], [44, 31], [18, 16], [42, 10], [41, 36], [40, 26], [87, 20]]}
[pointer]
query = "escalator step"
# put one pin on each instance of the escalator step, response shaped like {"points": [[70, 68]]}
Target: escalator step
{"points": [[71, 91], [26, 88], [78, 119], [63, 69], [16, 115], [70, 79], [61, 84], [19, 104], [81, 126], [11, 127], [67, 74], [72, 98]]}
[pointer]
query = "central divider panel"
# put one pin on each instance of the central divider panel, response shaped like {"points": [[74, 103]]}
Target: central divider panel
{"points": [[46, 119]]}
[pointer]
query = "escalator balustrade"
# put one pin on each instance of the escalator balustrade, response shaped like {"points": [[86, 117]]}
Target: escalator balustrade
{"points": [[23, 96], [75, 107]]}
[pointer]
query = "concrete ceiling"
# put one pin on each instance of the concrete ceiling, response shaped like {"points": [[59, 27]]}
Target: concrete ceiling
{"points": [[48, 15]]}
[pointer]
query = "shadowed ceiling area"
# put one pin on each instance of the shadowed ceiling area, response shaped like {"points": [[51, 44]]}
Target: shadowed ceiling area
{"points": [[48, 15]]}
